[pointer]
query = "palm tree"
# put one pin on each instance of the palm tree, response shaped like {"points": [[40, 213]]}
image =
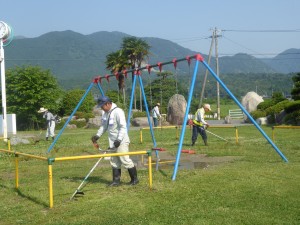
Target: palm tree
{"points": [[116, 62], [136, 51]]}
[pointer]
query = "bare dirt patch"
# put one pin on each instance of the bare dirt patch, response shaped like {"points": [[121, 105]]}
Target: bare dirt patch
{"points": [[187, 161]]}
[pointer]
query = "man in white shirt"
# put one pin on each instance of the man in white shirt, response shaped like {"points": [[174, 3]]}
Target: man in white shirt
{"points": [[50, 122], [155, 114], [114, 122]]}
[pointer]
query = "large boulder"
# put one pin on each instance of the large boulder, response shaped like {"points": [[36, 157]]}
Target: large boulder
{"points": [[251, 100], [94, 122], [140, 122], [176, 109]]}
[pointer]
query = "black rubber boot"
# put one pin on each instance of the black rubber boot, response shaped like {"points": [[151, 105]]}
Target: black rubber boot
{"points": [[205, 142], [193, 143], [47, 138], [133, 175], [52, 138], [116, 177]]}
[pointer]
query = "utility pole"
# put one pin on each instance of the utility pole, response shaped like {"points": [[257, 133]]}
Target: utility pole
{"points": [[206, 72], [214, 42], [217, 66]]}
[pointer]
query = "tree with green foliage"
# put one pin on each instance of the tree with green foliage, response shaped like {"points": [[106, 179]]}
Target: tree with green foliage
{"points": [[136, 50], [116, 62], [28, 89], [277, 97], [296, 90], [71, 100], [162, 89], [132, 53]]}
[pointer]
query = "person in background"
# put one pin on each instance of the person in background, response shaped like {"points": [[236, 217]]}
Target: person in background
{"points": [[155, 114], [114, 122], [50, 122], [199, 124]]}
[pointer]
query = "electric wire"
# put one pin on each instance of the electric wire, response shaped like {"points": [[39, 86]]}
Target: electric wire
{"points": [[263, 31]]}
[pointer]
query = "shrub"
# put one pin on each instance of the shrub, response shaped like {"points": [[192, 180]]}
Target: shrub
{"points": [[79, 115], [258, 113], [264, 105], [293, 118], [83, 115], [139, 114], [292, 106], [272, 111], [79, 124], [88, 115], [277, 108]]}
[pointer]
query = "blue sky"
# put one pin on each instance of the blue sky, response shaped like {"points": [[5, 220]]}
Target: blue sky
{"points": [[247, 24]]}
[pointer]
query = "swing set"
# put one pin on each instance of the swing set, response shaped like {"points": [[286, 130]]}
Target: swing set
{"points": [[137, 76]]}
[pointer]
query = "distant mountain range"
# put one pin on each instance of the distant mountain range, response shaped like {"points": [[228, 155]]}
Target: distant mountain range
{"points": [[75, 59]]}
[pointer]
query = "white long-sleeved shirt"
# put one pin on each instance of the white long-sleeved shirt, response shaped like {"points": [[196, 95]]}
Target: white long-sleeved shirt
{"points": [[114, 122], [155, 112]]}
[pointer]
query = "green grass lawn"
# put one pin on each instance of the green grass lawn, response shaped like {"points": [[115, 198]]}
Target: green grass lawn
{"points": [[258, 187]]}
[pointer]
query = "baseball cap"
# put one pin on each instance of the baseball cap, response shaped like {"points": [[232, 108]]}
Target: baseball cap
{"points": [[102, 100]]}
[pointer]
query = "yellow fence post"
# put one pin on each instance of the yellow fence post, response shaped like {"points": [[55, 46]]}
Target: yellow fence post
{"points": [[17, 170], [150, 168], [8, 144], [50, 179], [141, 135], [236, 135]]}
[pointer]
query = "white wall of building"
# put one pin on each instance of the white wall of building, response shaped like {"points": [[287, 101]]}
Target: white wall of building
{"points": [[11, 124]]}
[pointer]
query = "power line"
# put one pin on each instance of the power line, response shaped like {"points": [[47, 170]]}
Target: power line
{"points": [[265, 31], [240, 45], [264, 54]]}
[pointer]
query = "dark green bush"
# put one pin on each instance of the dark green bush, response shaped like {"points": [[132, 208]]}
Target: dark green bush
{"points": [[277, 108], [293, 106], [83, 115], [88, 115], [264, 105], [258, 113], [272, 111], [79, 114], [139, 114], [293, 118], [79, 124]]}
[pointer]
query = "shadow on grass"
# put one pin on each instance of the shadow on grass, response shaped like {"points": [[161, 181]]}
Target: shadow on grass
{"points": [[35, 200], [163, 173]]}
